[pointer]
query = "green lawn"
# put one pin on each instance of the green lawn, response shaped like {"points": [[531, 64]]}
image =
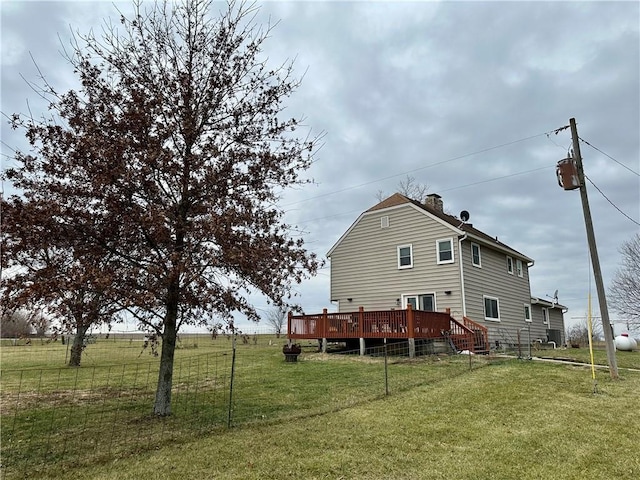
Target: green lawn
{"points": [[325, 416], [623, 359], [509, 420]]}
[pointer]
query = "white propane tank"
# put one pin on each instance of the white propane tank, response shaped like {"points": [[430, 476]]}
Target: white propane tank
{"points": [[625, 343]]}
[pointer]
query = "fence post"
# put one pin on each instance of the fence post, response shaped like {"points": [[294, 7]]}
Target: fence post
{"points": [[386, 370], [325, 329], [361, 330], [233, 368]]}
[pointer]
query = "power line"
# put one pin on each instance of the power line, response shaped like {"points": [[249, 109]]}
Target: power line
{"points": [[498, 178], [484, 150], [607, 199], [445, 190], [609, 156]]}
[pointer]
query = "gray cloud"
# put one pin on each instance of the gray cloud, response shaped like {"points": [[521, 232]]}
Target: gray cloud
{"points": [[403, 87]]}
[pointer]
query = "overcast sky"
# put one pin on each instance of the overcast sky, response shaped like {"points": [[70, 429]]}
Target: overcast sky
{"points": [[461, 95]]}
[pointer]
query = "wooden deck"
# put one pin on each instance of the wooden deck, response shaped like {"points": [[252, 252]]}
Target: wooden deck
{"points": [[390, 324]]}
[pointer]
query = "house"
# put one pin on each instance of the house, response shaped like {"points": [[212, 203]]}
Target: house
{"points": [[547, 321], [402, 254]]}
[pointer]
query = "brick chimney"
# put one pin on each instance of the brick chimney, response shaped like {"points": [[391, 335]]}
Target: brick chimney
{"points": [[434, 201]]}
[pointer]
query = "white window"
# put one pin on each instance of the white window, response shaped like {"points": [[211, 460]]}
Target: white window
{"points": [[405, 256], [527, 312], [384, 222], [475, 255], [510, 265], [519, 267], [444, 249], [545, 316], [491, 308]]}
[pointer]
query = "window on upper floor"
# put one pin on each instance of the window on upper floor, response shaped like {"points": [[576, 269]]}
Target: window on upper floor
{"points": [[444, 249], [519, 269], [545, 316], [405, 256], [510, 265], [491, 308], [475, 255], [527, 312]]}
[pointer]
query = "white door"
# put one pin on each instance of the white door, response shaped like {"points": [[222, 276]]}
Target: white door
{"points": [[423, 301]]}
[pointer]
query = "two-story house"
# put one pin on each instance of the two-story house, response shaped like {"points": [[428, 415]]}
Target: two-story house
{"points": [[402, 252]]}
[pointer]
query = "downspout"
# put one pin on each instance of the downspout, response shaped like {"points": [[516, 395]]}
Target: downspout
{"points": [[464, 301]]}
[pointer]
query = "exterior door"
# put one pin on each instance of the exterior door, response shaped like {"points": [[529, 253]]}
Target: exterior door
{"points": [[424, 301]]}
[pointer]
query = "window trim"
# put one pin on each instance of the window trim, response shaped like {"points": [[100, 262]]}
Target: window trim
{"points": [[479, 264], [509, 265], [545, 314], [519, 268], [527, 309], [410, 247], [484, 307], [438, 242]]}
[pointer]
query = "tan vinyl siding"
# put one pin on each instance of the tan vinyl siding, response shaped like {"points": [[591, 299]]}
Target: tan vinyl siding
{"points": [[364, 265], [556, 320], [539, 331], [493, 280]]}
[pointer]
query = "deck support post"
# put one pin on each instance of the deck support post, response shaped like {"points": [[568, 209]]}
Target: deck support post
{"points": [[412, 348], [411, 331], [324, 345], [362, 346]]}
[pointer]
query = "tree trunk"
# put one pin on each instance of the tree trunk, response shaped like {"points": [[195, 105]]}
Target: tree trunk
{"points": [[77, 346], [162, 405]]}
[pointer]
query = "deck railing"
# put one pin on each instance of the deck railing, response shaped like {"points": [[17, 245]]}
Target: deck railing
{"points": [[480, 335], [407, 323]]}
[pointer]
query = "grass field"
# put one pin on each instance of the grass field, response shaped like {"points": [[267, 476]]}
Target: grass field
{"points": [[323, 417]]}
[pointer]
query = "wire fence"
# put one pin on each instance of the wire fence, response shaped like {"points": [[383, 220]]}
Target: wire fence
{"points": [[59, 417]]}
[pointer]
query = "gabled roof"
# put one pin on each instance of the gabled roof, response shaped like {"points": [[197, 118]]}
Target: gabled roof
{"points": [[457, 225]]}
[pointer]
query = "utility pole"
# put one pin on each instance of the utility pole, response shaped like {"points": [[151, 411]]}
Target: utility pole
{"points": [[591, 238]]}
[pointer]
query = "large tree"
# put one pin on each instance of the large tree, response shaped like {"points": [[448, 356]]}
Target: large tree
{"points": [[52, 270], [176, 149], [409, 187], [624, 290]]}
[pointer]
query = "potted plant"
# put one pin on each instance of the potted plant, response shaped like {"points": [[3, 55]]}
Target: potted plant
{"points": [[291, 352]]}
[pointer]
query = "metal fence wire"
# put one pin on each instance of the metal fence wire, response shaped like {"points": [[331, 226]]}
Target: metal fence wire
{"points": [[63, 417]]}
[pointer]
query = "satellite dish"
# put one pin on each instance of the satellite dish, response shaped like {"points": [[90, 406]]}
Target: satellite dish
{"points": [[464, 215]]}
